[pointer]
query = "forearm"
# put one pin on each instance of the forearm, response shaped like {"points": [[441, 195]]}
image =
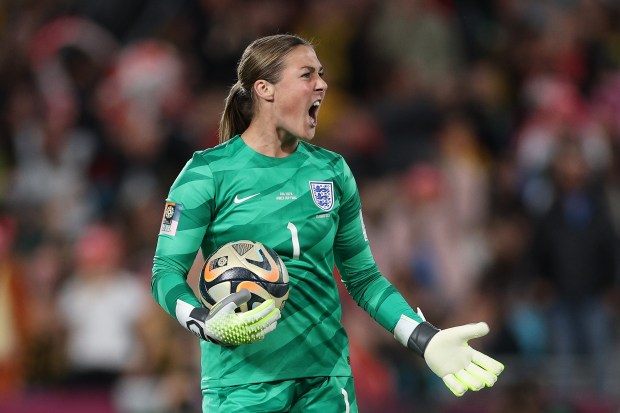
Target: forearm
{"points": [[378, 297], [169, 285], [446, 352]]}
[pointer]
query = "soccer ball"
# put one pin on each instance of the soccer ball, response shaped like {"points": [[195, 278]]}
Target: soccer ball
{"points": [[244, 264]]}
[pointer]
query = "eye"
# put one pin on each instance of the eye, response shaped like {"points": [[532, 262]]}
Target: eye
{"points": [[306, 75]]}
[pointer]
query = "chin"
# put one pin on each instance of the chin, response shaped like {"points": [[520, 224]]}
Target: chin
{"points": [[308, 134], [302, 132]]}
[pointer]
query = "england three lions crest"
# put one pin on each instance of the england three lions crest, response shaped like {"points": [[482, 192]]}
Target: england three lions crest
{"points": [[322, 194]]}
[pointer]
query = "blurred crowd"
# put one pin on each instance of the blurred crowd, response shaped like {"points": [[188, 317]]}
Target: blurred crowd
{"points": [[484, 136]]}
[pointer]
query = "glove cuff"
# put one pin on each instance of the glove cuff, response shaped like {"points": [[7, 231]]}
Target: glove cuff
{"points": [[421, 336], [192, 318]]}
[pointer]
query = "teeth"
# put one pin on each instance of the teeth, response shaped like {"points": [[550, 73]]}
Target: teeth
{"points": [[317, 103]]}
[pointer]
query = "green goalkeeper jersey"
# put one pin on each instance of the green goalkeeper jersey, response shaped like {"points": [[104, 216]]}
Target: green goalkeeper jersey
{"points": [[307, 208]]}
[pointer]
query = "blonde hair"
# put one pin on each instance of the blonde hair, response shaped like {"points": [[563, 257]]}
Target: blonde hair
{"points": [[262, 59]]}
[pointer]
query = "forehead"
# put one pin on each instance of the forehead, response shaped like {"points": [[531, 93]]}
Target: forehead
{"points": [[301, 57]]}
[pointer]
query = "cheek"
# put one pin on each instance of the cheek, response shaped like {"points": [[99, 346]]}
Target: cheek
{"points": [[290, 105]]}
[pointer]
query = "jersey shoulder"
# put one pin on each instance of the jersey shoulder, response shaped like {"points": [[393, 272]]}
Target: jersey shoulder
{"points": [[216, 152], [323, 155], [203, 165], [217, 155]]}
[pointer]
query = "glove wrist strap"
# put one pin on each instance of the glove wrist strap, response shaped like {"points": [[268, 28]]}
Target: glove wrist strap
{"points": [[421, 336]]}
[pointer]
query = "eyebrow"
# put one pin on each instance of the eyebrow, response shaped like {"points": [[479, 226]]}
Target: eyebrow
{"points": [[313, 69]]}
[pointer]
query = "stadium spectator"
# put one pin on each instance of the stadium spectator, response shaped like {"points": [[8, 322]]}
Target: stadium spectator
{"points": [[574, 253], [101, 306]]}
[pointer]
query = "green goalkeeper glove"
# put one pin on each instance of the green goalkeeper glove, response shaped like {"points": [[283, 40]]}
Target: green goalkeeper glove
{"points": [[449, 355], [222, 325]]}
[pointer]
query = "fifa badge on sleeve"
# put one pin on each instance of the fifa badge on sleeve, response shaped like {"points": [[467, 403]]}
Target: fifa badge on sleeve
{"points": [[170, 220]]}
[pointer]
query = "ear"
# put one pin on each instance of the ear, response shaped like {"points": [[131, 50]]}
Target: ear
{"points": [[264, 90]]}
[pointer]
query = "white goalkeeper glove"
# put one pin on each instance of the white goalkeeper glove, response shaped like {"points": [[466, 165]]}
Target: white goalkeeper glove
{"points": [[222, 325], [449, 355]]}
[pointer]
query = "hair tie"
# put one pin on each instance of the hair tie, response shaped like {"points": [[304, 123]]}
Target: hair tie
{"points": [[241, 91]]}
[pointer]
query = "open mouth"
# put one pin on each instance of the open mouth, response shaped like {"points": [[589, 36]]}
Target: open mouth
{"points": [[313, 113]]}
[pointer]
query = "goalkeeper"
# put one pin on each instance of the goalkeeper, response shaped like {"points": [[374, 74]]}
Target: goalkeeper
{"points": [[266, 183]]}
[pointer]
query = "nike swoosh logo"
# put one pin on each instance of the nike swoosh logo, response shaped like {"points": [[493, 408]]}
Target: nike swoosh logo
{"points": [[263, 263], [238, 200]]}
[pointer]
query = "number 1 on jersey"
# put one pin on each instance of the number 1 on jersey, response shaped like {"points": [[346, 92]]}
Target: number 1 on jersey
{"points": [[294, 235]]}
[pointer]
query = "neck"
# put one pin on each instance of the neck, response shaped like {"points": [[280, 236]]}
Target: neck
{"points": [[270, 144]]}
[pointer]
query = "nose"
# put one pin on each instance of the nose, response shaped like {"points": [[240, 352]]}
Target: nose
{"points": [[321, 84]]}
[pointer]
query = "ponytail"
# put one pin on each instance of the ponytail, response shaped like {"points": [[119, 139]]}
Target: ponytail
{"points": [[237, 112]]}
